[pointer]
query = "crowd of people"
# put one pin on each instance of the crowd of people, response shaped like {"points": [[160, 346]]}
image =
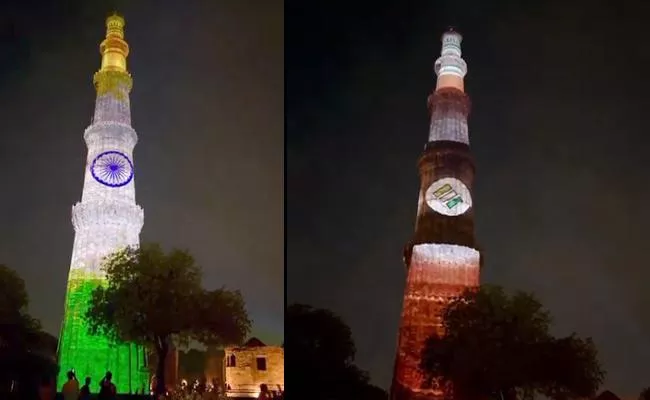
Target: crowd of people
{"points": [[72, 391], [203, 391]]}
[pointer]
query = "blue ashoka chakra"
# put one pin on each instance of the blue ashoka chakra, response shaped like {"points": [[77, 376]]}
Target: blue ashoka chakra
{"points": [[112, 168]]}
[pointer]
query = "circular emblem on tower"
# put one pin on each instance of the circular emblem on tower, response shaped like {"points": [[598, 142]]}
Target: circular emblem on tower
{"points": [[112, 168], [448, 196]]}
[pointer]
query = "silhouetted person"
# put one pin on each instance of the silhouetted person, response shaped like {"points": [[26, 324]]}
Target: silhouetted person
{"points": [[107, 390], [264, 392], [217, 388], [45, 389], [84, 394], [70, 389]]}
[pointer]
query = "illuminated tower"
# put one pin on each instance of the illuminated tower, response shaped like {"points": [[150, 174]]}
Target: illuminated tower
{"points": [[441, 258], [106, 219]]}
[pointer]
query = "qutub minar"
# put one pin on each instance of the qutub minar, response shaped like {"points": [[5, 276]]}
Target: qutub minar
{"points": [[442, 259], [107, 219]]}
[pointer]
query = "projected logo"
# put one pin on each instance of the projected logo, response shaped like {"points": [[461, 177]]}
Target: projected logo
{"points": [[448, 196]]}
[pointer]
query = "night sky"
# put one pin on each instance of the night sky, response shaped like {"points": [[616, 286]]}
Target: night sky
{"points": [[207, 104], [559, 128]]}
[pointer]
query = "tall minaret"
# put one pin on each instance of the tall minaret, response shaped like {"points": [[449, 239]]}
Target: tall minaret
{"points": [[107, 219], [441, 258]]}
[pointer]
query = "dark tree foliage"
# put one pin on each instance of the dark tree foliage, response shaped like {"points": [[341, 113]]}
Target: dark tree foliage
{"points": [[645, 394], [320, 354], [498, 345], [156, 299], [192, 364], [13, 294], [27, 354]]}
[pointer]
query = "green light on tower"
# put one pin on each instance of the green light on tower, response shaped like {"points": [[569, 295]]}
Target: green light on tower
{"points": [[91, 355]]}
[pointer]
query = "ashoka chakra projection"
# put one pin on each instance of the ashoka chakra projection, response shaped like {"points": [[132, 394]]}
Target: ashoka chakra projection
{"points": [[112, 168]]}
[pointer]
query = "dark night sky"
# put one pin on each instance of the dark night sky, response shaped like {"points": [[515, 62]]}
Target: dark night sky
{"points": [[559, 129], [208, 107]]}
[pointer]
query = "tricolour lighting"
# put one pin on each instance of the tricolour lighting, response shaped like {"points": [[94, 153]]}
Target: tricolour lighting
{"points": [[106, 220], [448, 196]]}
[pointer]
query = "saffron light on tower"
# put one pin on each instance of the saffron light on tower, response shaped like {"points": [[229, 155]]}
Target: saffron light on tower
{"points": [[441, 258], [107, 219]]}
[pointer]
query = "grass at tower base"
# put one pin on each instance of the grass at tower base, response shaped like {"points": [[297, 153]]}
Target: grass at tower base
{"points": [[93, 355]]}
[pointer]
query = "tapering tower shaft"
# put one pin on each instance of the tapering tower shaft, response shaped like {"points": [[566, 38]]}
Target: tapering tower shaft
{"points": [[442, 259], [107, 219]]}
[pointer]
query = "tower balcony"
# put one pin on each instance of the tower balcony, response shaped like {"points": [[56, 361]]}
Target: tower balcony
{"points": [[105, 214]]}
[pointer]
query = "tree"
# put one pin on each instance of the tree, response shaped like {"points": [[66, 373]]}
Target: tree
{"points": [[193, 364], [156, 299], [13, 294], [17, 328], [321, 350], [645, 394], [27, 353], [499, 345]]}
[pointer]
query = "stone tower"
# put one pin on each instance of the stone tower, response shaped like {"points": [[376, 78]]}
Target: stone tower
{"points": [[107, 219], [441, 258]]}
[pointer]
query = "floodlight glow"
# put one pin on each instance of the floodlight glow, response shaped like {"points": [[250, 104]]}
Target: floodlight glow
{"points": [[106, 220], [437, 273]]}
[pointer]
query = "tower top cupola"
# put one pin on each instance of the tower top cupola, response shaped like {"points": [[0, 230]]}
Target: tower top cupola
{"points": [[450, 67], [114, 49]]}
